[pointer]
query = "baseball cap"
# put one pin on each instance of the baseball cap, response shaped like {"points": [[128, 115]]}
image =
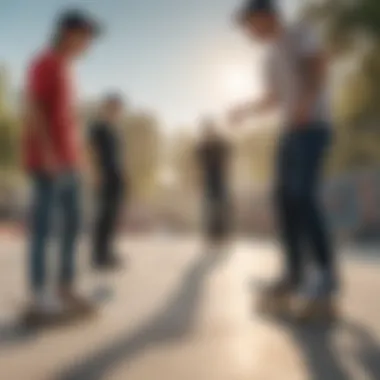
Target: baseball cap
{"points": [[79, 20], [255, 6]]}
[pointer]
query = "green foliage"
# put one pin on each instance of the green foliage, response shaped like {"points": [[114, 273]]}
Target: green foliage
{"points": [[9, 142], [349, 26]]}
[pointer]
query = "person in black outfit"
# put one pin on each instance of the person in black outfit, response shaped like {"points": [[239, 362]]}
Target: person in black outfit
{"points": [[213, 155], [106, 144]]}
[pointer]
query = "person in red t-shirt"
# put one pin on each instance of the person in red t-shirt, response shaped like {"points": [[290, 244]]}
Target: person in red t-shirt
{"points": [[51, 154]]}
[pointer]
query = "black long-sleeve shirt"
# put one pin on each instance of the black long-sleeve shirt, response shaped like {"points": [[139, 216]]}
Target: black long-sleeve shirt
{"points": [[107, 146]]}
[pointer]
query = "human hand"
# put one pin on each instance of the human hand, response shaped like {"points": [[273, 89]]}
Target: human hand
{"points": [[236, 116]]}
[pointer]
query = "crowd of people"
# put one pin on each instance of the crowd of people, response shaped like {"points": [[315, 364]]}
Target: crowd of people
{"points": [[296, 83]]}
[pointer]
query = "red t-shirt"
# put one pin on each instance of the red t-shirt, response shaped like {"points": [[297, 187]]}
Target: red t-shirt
{"points": [[49, 85]]}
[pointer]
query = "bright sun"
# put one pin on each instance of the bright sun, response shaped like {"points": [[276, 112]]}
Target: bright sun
{"points": [[238, 82]]}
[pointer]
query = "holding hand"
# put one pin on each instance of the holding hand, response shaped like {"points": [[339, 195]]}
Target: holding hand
{"points": [[237, 115]]}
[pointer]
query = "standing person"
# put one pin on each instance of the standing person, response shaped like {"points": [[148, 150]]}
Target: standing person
{"points": [[105, 142], [51, 153], [213, 158], [296, 82]]}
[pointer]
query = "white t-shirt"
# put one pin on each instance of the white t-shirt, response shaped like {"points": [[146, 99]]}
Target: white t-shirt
{"points": [[284, 72]]}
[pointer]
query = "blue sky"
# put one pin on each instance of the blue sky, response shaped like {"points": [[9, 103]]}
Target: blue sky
{"points": [[179, 58]]}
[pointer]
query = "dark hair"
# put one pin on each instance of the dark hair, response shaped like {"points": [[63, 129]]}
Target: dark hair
{"points": [[251, 7], [75, 20]]}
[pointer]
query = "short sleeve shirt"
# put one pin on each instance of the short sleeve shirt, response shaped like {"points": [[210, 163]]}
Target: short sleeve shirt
{"points": [[285, 71], [49, 84]]}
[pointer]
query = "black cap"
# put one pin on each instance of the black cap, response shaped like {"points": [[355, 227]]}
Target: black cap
{"points": [[251, 7], [78, 20]]}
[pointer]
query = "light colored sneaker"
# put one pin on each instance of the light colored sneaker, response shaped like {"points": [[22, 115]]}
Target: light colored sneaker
{"points": [[47, 303], [276, 299], [75, 303], [316, 310], [44, 309], [321, 284], [317, 301]]}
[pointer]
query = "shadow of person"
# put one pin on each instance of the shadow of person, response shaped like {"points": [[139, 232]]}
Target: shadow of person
{"points": [[366, 349], [15, 333], [317, 344], [174, 322]]}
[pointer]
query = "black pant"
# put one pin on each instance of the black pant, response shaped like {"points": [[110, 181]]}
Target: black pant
{"points": [[217, 215], [110, 200], [300, 160]]}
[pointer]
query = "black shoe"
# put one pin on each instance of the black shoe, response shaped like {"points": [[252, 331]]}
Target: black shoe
{"points": [[277, 297], [110, 264]]}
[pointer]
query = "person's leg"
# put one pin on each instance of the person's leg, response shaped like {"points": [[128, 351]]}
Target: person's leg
{"points": [[277, 297], [315, 145], [100, 228], [316, 301], [288, 211], [40, 223], [45, 306], [110, 207], [115, 202], [69, 193]]}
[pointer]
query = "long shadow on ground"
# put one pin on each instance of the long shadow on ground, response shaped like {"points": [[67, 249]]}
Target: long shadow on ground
{"points": [[317, 344], [174, 322]]}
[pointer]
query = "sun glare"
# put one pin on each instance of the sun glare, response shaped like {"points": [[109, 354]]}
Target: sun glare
{"points": [[238, 82]]}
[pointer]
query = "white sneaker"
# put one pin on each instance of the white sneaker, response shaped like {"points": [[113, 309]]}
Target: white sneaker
{"points": [[47, 304], [320, 285]]}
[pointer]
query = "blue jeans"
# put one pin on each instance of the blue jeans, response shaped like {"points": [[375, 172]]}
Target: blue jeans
{"points": [[53, 196], [301, 221]]}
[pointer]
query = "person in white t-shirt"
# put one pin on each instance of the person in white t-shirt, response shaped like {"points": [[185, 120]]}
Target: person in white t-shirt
{"points": [[296, 78]]}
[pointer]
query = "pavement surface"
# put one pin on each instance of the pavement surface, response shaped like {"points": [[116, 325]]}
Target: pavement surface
{"points": [[178, 313]]}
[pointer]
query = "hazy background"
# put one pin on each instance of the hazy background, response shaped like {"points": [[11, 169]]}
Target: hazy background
{"points": [[176, 312], [177, 61]]}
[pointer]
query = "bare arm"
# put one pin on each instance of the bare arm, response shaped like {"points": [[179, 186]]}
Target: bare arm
{"points": [[252, 108]]}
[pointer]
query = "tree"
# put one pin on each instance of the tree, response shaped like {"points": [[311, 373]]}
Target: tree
{"points": [[9, 129], [352, 31]]}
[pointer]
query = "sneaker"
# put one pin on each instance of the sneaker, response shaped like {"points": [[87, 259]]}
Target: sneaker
{"points": [[44, 309], [277, 297], [317, 300], [322, 309], [111, 264], [321, 285], [76, 303]]}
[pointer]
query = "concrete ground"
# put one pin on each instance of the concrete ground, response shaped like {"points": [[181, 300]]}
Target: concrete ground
{"points": [[180, 314]]}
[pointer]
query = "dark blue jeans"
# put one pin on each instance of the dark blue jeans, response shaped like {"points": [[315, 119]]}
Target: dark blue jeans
{"points": [[53, 196], [300, 161]]}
